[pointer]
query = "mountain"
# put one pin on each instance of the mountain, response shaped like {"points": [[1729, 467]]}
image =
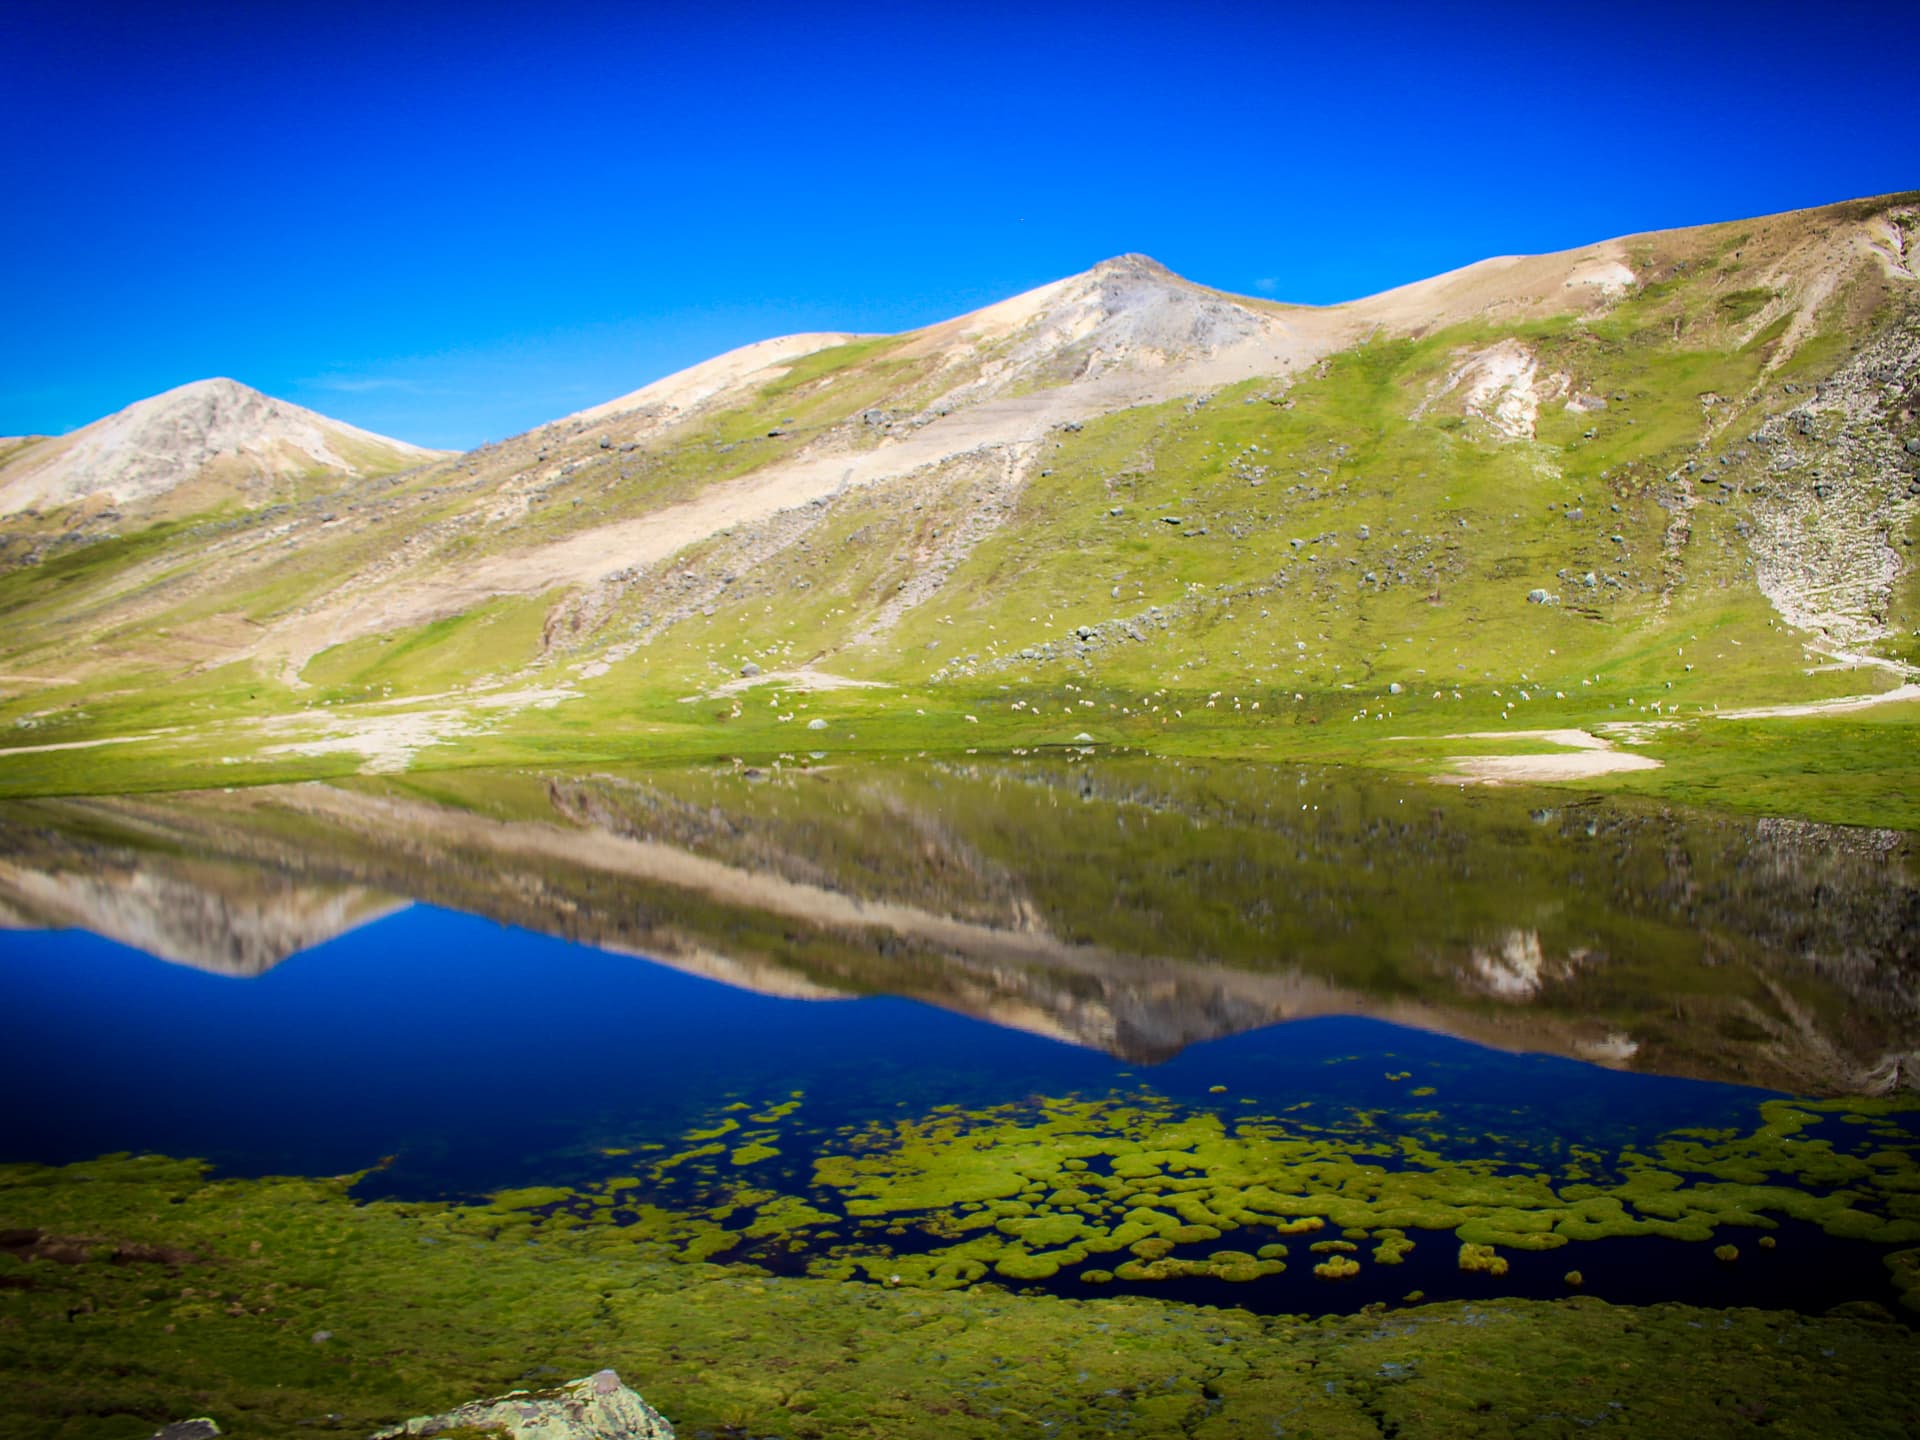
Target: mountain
{"points": [[194, 445], [1663, 473]]}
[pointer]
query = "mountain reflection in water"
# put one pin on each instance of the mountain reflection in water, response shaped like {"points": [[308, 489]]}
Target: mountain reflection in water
{"points": [[1133, 906]]}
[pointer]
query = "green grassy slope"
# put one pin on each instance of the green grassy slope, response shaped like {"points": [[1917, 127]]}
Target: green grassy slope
{"points": [[1357, 549]]}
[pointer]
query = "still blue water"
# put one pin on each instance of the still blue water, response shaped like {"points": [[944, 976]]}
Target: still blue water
{"points": [[479, 1056], [477, 1053]]}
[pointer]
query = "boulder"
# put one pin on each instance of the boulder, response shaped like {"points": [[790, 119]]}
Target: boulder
{"points": [[597, 1407], [201, 1429]]}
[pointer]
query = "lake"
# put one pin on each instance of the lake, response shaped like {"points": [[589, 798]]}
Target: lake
{"points": [[1283, 1038]]}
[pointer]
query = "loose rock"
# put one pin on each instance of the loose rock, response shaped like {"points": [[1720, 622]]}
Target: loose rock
{"points": [[597, 1407]]}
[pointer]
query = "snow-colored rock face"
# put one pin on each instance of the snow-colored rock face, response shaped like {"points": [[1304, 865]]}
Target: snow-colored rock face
{"points": [[156, 445], [1502, 385], [1500, 389]]}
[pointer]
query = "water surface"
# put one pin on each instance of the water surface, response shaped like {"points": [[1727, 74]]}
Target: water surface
{"points": [[481, 982]]}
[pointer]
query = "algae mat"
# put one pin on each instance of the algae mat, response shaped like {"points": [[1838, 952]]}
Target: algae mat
{"points": [[284, 1307], [1802, 1206], [780, 1267]]}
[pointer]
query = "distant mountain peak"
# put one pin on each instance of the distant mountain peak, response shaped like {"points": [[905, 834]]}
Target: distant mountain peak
{"points": [[158, 444]]}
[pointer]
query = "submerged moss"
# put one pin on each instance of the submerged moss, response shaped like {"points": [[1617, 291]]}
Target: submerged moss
{"points": [[1392, 1249], [1904, 1266], [1144, 1176], [1482, 1259], [532, 1197]]}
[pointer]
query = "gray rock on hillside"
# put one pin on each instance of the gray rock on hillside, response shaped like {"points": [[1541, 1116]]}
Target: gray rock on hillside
{"points": [[597, 1407], [202, 1429]]}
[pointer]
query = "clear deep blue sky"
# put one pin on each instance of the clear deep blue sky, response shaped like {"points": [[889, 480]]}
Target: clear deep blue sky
{"points": [[452, 222]]}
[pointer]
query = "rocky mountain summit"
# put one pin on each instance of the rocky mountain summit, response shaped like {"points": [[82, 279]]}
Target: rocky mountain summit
{"points": [[217, 434]]}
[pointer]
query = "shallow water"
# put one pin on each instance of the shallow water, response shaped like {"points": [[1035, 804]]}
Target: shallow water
{"points": [[1180, 937]]}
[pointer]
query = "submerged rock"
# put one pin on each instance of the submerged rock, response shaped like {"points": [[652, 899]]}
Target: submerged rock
{"points": [[597, 1407]]}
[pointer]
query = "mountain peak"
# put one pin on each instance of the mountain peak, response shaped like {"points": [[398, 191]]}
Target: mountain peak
{"points": [[221, 386], [1135, 264], [158, 444]]}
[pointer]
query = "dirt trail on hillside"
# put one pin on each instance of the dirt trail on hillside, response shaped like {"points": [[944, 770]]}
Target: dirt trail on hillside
{"points": [[1838, 706], [82, 744]]}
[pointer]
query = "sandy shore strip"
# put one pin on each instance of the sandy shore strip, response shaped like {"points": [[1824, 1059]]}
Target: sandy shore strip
{"points": [[1586, 756]]}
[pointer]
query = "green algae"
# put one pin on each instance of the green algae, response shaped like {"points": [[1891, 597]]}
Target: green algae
{"points": [[1032, 1191], [913, 1233], [1029, 1190], [1904, 1266], [1392, 1249], [532, 1197], [698, 1152], [1481, 1259]]}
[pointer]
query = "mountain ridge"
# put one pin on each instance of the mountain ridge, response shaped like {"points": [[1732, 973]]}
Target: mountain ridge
{"points": [[1548, 476]]}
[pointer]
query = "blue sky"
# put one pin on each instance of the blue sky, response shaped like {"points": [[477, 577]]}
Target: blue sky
{"points": [[450, 223]]}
